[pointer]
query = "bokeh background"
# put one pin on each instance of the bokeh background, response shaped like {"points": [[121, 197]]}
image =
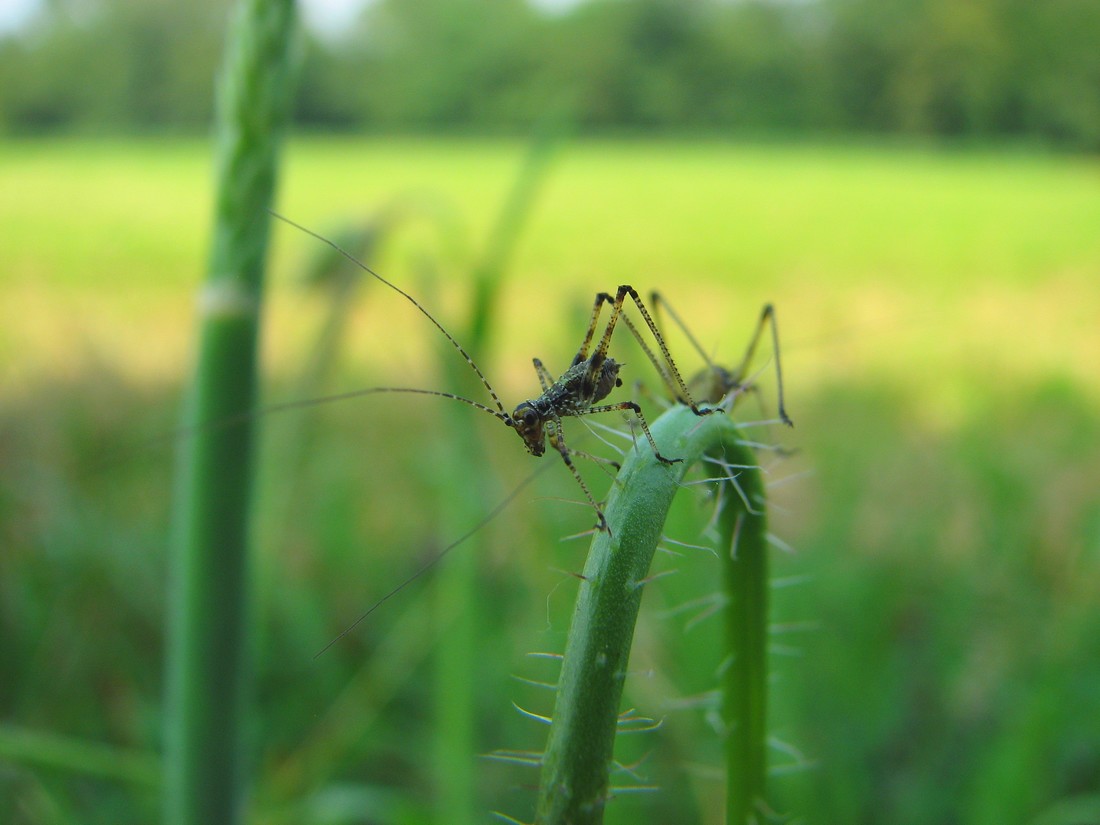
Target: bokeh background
{"points": [[913, 183]]}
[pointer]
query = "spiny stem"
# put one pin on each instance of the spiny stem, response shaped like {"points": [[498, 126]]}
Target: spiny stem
{"points": [[574, 785], [743, 537]]}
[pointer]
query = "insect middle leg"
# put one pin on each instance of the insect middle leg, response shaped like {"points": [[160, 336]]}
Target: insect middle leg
{"points": [[630, 405]]}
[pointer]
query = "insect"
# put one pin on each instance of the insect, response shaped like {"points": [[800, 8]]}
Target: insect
{"points": [[590, 378], [714, 384]]}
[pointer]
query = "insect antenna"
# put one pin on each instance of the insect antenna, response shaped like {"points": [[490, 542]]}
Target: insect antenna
{"points": [[165, 439], [285, 406], [499, 412], [438, 557]]}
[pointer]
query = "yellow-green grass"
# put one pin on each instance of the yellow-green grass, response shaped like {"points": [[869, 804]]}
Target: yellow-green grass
{"points": [[939, 318], [892, 262]]}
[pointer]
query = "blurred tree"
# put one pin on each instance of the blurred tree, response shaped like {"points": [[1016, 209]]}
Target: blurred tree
{"points": [[967, 67], [136, 64], [954, 68], [445, 63]]}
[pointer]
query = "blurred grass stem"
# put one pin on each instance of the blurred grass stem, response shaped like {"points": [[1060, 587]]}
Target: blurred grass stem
{"points": [[209, 637], [459, 589]]}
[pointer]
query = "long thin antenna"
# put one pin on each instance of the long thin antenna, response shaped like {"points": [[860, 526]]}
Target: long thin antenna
{"points": [[400, 291], [218, 424], [496, 511], [284, 406]]}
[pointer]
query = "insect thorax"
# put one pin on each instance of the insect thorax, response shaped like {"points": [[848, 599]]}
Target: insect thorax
{"points": [[581, 386]]}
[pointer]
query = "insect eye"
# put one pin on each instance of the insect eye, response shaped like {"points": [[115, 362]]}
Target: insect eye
{"points": [[618, 382], [530, 418]]}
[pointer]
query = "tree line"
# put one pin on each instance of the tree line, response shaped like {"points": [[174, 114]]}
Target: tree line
{"points": [[984, 69]]}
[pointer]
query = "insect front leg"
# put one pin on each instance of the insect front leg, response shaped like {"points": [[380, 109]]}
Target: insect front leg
{"points": [[557, 440]]}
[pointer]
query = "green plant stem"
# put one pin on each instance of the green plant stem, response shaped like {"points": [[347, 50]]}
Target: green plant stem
{"points": [[743, 550], [209, 609], [576, 765]]}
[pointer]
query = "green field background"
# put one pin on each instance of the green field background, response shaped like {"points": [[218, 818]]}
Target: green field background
{"points": [[937, 520]]}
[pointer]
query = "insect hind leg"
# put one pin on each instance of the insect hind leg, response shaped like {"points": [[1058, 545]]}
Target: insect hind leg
{"points": [[767, 314], [662, 370], [657, 301], [601, 299], [669, 373]]}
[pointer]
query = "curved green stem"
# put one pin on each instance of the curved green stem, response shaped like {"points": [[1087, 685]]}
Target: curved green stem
{"points": [[578, 758], [743, 546]]}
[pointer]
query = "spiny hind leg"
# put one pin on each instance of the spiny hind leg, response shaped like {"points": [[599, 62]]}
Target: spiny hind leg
{"points": [[672, 375], [662, 370], [582, 353], [669, 373], [657, 300], [766, 315]]}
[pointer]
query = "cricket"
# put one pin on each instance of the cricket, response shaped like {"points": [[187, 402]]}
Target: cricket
{"points": [[579, 391]]}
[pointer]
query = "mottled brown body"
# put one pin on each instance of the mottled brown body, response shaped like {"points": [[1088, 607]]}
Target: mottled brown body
{"points": [[589, 380], [575, 393]]}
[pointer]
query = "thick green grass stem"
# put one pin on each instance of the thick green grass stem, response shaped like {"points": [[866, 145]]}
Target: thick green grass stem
{"points": [[578, 761], [743, 550], [208, 622]]}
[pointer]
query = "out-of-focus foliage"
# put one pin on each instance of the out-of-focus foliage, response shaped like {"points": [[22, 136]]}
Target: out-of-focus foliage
{"points": [[958, 68], [117, 65], [934, 630]]}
